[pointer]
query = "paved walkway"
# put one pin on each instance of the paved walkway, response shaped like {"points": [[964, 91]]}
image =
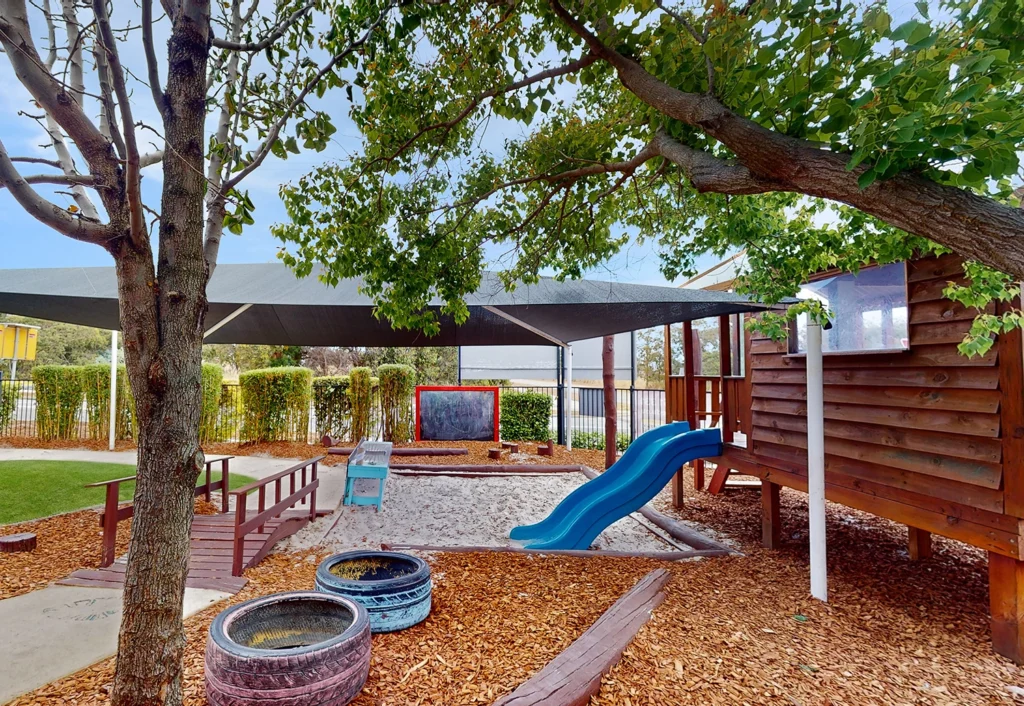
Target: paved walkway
{"points": [[56, 631]]}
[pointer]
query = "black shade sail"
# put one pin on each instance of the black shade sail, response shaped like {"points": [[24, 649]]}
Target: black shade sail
{"points": [[283, 310]]}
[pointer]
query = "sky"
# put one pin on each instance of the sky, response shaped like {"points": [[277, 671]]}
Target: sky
{"points": [[26, 243]]}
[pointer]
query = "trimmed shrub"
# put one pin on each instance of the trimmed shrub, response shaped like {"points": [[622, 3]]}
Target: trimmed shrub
{"points": [[229, 413], [276, 404], [525, 416], [58, 398], [397, 383], [595, 440], [332, 406], [360, 395], [96, 388], [8, 401], [209, 412]]}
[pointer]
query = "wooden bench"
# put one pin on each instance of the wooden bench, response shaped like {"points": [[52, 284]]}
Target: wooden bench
{"points": [[302, 487], [112, 514]]}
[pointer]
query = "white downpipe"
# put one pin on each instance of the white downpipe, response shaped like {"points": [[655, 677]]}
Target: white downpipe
{"points": [[113, 388], [816, 463], [568, 397]]}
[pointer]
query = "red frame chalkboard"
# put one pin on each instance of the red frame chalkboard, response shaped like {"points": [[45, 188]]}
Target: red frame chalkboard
{"points": [[467, 388]]}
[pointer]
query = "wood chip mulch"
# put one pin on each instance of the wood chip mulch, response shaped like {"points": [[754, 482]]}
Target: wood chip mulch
{"points": [[65, 543]]}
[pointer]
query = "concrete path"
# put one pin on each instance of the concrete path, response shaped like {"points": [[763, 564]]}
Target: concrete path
{"points": [[56, 631], [59, 630]]}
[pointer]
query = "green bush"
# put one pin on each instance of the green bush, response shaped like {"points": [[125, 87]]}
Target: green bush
{"points": [[525, 416], [8, 401], [59, 396], [595, 440], [229, 413], [332, 406], [209, 412], [276, 404], [397, 384], [360, 395], [96, 388]]}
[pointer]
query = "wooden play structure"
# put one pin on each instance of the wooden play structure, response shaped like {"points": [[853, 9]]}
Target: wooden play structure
{"points": [[914, 431], [226, 544]]}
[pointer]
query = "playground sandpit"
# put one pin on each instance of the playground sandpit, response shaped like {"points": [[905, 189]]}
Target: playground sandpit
{"points": [[453, 511]]}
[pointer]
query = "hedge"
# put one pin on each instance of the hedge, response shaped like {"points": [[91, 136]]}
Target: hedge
{"points": [[96, 388], [59, 396], [209, 412], [332, 406], [525, 416], [8, 402], [276, 404], [360, 395], [595, 440], [397, 384]]}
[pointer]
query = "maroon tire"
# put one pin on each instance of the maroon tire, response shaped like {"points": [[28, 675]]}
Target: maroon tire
{"points": [[288, 649]]}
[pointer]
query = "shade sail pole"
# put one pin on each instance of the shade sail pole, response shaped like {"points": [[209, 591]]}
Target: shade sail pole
{"points": [[113, 388], [568, 397], [816, 463]]}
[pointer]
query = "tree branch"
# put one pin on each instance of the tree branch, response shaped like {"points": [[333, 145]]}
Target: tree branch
{"points": [[58, 179], [153, 68], [275, 33], [37, 160], [46, 212], [133, 177], [700, 38]]}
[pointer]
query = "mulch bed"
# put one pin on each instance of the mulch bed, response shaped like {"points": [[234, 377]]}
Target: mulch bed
{"points": [[65, 543]]}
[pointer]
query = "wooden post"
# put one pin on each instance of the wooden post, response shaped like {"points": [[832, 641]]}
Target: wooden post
{"points": [[109, 526], [611, 414], [312, 496], [1006, 600], [771, 524], [238, 551], [1011, 411], [668, 374], [688, 405], [919, 543], [226, 485], [725, 370], [206, 494]]}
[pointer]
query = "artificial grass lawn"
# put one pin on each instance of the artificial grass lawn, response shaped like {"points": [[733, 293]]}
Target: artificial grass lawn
{"points": [[32, 489]]}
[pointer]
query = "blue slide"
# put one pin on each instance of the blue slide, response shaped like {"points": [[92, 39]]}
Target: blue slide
{"points": [[647, 466]]}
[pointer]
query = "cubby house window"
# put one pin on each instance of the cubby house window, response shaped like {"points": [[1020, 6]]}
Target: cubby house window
{"points": [[868, 311]]}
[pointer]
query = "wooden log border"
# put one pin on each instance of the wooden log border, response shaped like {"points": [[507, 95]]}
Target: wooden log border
{"points": [[405, 451], [571, 678], [584, 553]]}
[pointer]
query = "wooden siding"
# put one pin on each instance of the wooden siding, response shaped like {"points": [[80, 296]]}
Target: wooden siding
{"points": [[925, 437]]}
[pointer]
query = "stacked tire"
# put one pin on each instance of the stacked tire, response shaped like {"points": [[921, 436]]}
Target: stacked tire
{"points": [[296, 649], [395, 602]]}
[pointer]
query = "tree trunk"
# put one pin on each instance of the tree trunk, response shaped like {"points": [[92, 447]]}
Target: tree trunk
{"points": [[162, 311], [611, 421]]}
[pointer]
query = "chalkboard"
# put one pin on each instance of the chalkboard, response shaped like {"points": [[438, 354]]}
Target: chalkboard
{"points": [[456, 413]]}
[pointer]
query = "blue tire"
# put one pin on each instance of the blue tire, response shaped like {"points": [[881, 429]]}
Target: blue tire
{"points": [[394, 588]]}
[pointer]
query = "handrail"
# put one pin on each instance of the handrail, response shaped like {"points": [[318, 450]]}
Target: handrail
{"points": [[307, 488], [112, 514]]}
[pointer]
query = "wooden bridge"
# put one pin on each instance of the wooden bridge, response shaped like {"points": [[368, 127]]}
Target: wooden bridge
{"points": [[226, 544]]}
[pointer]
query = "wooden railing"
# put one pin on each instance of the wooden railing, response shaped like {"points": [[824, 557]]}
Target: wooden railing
{"points": [[303, 483], [112, 514], [711, 397]]}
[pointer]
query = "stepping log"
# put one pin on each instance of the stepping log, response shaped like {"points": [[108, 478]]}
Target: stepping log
{"points": [[510, 446], [571, 678], [494, 454], [23, 542], [548, 450]]}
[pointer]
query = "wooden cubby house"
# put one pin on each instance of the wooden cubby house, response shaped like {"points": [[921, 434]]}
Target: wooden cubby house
{"points": [[914, 431]]}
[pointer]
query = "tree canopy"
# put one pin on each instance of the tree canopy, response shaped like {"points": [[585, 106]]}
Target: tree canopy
{"points": [[812, 134]]}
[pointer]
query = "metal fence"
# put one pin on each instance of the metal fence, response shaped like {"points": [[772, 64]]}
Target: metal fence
{"points": [[637, 411]]}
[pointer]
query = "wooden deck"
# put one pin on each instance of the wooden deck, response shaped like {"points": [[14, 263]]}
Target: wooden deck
{"points": [[212, 547]]}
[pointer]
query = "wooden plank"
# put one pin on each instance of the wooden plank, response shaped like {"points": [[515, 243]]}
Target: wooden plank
{"points": [[927, 334], [571, 678], [1011, 375], [1006, 602], [987, 538], [944, 310], [931, 290], [761, 346], [960, 423], [985, 401], [929, 490], [942, 267], [919, 544], [943, 355], [960, 446], [771, 521], [968, 378]]}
